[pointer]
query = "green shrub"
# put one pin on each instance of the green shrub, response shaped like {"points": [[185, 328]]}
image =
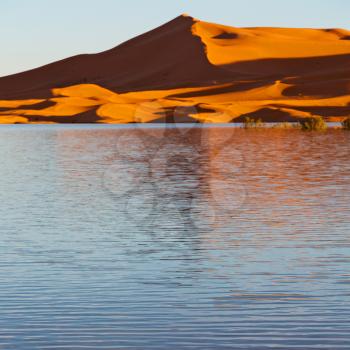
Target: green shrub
{"points": [[251, 123], [346, 124], [286, 125], [313, 124]]}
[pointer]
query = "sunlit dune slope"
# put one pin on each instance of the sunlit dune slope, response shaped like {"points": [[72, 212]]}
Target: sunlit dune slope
{"points": [[188, 70], [228, 45]]}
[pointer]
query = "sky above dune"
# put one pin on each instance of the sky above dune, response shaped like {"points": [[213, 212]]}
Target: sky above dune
{"points": [[37, 32]]}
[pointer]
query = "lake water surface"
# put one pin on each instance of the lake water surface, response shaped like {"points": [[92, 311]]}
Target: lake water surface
{"points": [[128, 237]]}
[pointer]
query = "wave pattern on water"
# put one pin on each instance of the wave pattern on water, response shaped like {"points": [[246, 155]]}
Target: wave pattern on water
{"points": [[176, 238]]}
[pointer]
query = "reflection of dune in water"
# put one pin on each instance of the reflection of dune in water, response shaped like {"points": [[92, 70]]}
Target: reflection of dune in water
{"points": [[290, 182]]}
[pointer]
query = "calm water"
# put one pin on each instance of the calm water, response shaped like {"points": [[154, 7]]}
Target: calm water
{"points": [[202, 238]]}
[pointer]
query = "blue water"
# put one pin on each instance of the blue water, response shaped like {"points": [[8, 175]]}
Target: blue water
{"points": [[174, 238]]}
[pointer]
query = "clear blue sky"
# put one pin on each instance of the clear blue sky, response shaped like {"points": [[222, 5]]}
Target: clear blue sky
{"points": [[36, 32]]}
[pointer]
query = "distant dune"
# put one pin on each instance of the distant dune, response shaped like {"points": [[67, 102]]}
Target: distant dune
{"points": [[189, 70]]}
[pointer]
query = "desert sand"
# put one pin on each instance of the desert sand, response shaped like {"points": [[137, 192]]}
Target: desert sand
{"points": [[191, 71]]}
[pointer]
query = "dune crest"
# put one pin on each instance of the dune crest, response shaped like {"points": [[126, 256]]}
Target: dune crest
{"points": [[202, 71]]}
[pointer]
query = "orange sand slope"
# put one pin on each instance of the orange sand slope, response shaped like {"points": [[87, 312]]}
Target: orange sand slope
{"points": [[189, 70]]}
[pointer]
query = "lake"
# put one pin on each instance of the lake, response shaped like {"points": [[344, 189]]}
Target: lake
{"points": [[157, 237]]}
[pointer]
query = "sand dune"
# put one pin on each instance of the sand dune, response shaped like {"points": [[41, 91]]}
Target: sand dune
{"points": [[191, 70]]}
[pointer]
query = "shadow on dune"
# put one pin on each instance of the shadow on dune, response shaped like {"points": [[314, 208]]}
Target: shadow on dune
{"points": [[267, 115], [234, 87], [324, 111], [82, 118], [167, 57], [279, 68], [226, 36]]}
